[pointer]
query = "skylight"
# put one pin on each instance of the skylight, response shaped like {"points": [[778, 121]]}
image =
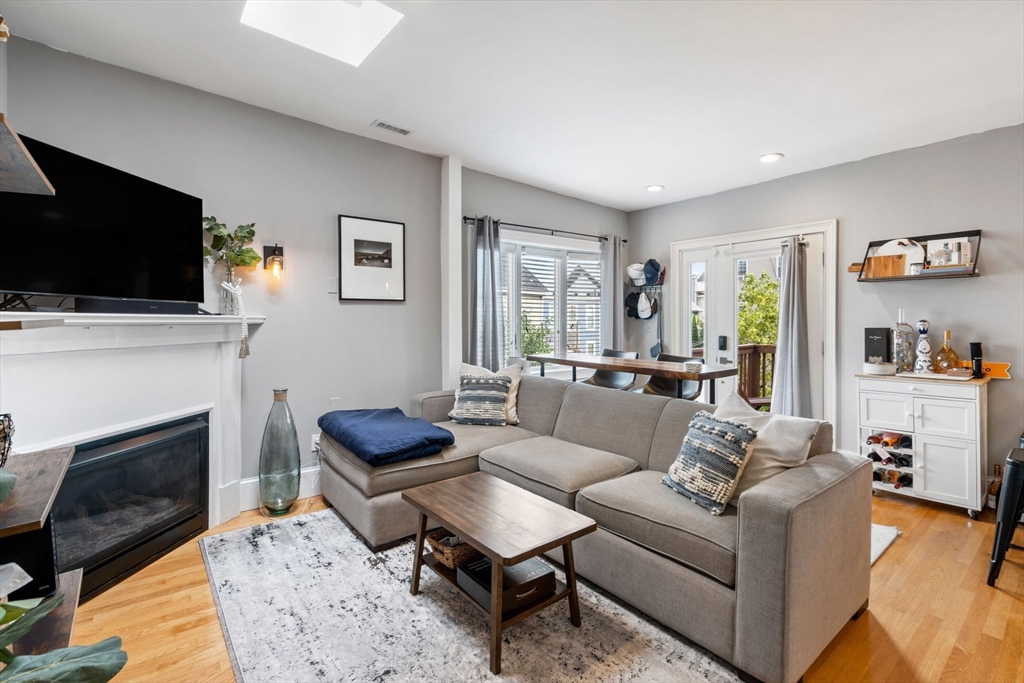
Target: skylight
{"points": [[342, 29]]}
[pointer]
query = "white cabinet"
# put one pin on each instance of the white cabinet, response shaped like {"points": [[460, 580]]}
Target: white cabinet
{"points": [[947, 422]]}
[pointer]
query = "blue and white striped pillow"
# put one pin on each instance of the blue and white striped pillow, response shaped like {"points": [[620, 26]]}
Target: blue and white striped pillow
{"points": [[711, 460], [482, 400]]}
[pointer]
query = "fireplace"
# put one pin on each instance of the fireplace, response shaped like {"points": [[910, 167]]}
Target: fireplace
{"points": [[129, 499]]}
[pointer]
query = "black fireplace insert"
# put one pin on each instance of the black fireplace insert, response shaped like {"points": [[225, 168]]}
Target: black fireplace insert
{"points": [[130, 499]]}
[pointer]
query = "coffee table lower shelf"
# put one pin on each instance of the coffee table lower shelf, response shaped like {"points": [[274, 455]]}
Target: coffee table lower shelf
{"points": [[561, 591]]}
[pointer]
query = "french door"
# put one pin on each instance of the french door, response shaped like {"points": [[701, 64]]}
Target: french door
{"points": [[728, 312]]}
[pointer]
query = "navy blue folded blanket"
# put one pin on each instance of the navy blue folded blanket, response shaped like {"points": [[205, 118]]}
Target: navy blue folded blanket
{"points": [[384, 435]]}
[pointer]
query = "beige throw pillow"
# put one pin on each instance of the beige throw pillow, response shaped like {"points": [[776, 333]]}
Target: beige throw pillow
{"points": [[513, 372], [782, 441]]}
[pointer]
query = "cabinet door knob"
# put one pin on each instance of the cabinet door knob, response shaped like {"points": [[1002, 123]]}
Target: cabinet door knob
{"points": [[913, 388]]}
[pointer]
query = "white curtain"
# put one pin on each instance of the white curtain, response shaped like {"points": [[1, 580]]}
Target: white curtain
{"points": [[485, 334], [613, 271], [791, 381]]}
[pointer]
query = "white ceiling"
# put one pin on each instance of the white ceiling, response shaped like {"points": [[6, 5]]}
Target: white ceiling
{"points": [[599, 99]]}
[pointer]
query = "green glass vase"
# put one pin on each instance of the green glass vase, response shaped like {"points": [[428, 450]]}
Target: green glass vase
{"points": [[279, 458]]}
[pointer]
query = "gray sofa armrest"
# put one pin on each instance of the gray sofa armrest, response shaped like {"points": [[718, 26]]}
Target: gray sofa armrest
{"points": [[433, 406], [803, 563]]}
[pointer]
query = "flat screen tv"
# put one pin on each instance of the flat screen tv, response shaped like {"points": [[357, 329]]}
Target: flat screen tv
{"points": [[105, 234]]}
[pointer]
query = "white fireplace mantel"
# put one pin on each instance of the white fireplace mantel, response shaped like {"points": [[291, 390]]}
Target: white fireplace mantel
{"points": [[95, 375]]}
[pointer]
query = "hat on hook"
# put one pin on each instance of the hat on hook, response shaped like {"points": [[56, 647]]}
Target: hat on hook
{"points": [[654, 272], [643, 307], [636, 274]]}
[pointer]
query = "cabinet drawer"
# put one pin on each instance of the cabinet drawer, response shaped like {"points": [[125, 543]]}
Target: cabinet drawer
{"points": [[922, 387], [941, 417], [887, 411], [946, 470]]}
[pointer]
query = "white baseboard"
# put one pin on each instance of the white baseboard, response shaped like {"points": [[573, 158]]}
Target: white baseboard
{"points": [[250, 488]]}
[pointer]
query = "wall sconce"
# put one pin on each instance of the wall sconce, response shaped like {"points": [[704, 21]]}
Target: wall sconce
{"points": [[273, 260]]}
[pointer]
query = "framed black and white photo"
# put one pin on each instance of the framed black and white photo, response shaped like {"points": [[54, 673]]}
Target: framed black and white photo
{"points": [[371, 259]]}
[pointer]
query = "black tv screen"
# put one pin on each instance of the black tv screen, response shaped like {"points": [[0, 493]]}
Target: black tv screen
{"points": [[105, 234]]}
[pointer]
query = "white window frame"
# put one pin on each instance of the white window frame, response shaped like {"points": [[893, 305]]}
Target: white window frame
{"points": [[560, 249]]}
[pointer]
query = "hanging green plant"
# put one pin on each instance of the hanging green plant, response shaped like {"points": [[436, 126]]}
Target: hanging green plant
{"points": [[228, 246]]}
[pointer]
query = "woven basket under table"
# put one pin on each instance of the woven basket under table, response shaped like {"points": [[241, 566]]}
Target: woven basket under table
{"points": [[451, 557]]}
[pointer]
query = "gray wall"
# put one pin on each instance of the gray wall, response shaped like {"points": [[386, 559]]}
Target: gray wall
{"points": [[292, 178], [970, 182], [485, 194]]}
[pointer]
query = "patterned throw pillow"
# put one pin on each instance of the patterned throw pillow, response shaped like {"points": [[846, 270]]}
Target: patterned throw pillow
{"points": [[711, 460], [482, 400]]}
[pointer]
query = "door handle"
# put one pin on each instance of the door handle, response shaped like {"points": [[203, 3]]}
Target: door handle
{"points": [[724, 361]]}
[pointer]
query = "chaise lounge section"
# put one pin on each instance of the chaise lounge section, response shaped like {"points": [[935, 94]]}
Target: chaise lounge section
{"points": [[766, 585]]}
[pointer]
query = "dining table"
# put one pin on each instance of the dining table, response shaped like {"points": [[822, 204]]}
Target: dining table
{"points": [[639, 366]]}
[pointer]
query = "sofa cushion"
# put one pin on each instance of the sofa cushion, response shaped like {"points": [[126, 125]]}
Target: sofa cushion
{"points": [[514, 372], [671, 430], [538, 402], [641, 509], [455, 460], [782, 441], [482, 401], [617, 421], [710, 463], [552, 468]]}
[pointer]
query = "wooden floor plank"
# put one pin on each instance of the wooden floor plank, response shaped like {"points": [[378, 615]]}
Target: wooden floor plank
{"points": [[932, 616]]}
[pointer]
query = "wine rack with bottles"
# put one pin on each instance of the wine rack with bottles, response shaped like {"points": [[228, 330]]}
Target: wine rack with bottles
{"points": [[892, 458]]}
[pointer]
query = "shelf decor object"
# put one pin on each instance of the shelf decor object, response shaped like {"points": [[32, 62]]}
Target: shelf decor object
{"points": [[924, 361], [924, 257], [279, 458], [371, 259]]}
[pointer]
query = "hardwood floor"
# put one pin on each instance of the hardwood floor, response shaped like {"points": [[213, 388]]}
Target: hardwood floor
{"points": [[932, 617]]}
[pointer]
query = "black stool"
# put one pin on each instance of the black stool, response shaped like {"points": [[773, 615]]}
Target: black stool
{"points": [[1011, 504]]}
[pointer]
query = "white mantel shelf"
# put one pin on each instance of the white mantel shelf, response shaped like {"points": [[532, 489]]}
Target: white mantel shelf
{"points": [[90, 319], [95, 331]]}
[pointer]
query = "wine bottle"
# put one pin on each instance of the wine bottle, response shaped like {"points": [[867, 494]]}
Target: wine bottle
{"points": [[906, 479], [876, 474], [903, 461], [947, 358], [873, 439], [891, 439], [906, 441]]}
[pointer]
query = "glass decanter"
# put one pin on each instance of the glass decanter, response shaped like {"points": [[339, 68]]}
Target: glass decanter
{"points": [[903, 344], [947, 358]]}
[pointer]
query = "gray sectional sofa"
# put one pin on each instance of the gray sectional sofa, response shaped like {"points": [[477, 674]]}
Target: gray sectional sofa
{"points": [[766, 585]]}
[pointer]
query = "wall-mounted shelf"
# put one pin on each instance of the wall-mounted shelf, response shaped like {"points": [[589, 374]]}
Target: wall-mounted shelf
{"points": [[973, 237]]}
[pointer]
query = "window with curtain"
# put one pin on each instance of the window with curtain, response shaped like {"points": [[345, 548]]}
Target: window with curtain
{"points": [[551, 300]]}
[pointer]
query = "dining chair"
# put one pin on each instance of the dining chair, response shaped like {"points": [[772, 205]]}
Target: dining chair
{"points": [[666, 386], [611, 379]]}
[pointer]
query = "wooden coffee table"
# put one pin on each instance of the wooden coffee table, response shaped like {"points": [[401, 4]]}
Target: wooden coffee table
{"points": [[507, 524]]}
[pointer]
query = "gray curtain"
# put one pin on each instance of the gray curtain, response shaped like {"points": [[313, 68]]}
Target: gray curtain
{"points": [[791, 382], [613, 270], [485, 332]]}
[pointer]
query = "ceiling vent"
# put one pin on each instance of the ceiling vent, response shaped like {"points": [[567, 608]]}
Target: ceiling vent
{"points": [[390, 127]]}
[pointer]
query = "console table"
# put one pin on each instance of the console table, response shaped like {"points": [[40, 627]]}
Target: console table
{"points": [[948, 423], [639, 366], [40, 475]]}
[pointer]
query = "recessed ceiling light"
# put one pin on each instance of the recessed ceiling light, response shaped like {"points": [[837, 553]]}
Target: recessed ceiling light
{"points": [[343, 30], [769, 158], [655, 188]]}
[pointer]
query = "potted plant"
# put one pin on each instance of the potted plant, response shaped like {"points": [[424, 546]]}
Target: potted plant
{"points": [[228, 247], [96, 663]]}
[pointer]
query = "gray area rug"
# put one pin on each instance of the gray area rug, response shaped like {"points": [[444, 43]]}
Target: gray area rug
{"points": [[304, 599], [881, 538]]}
